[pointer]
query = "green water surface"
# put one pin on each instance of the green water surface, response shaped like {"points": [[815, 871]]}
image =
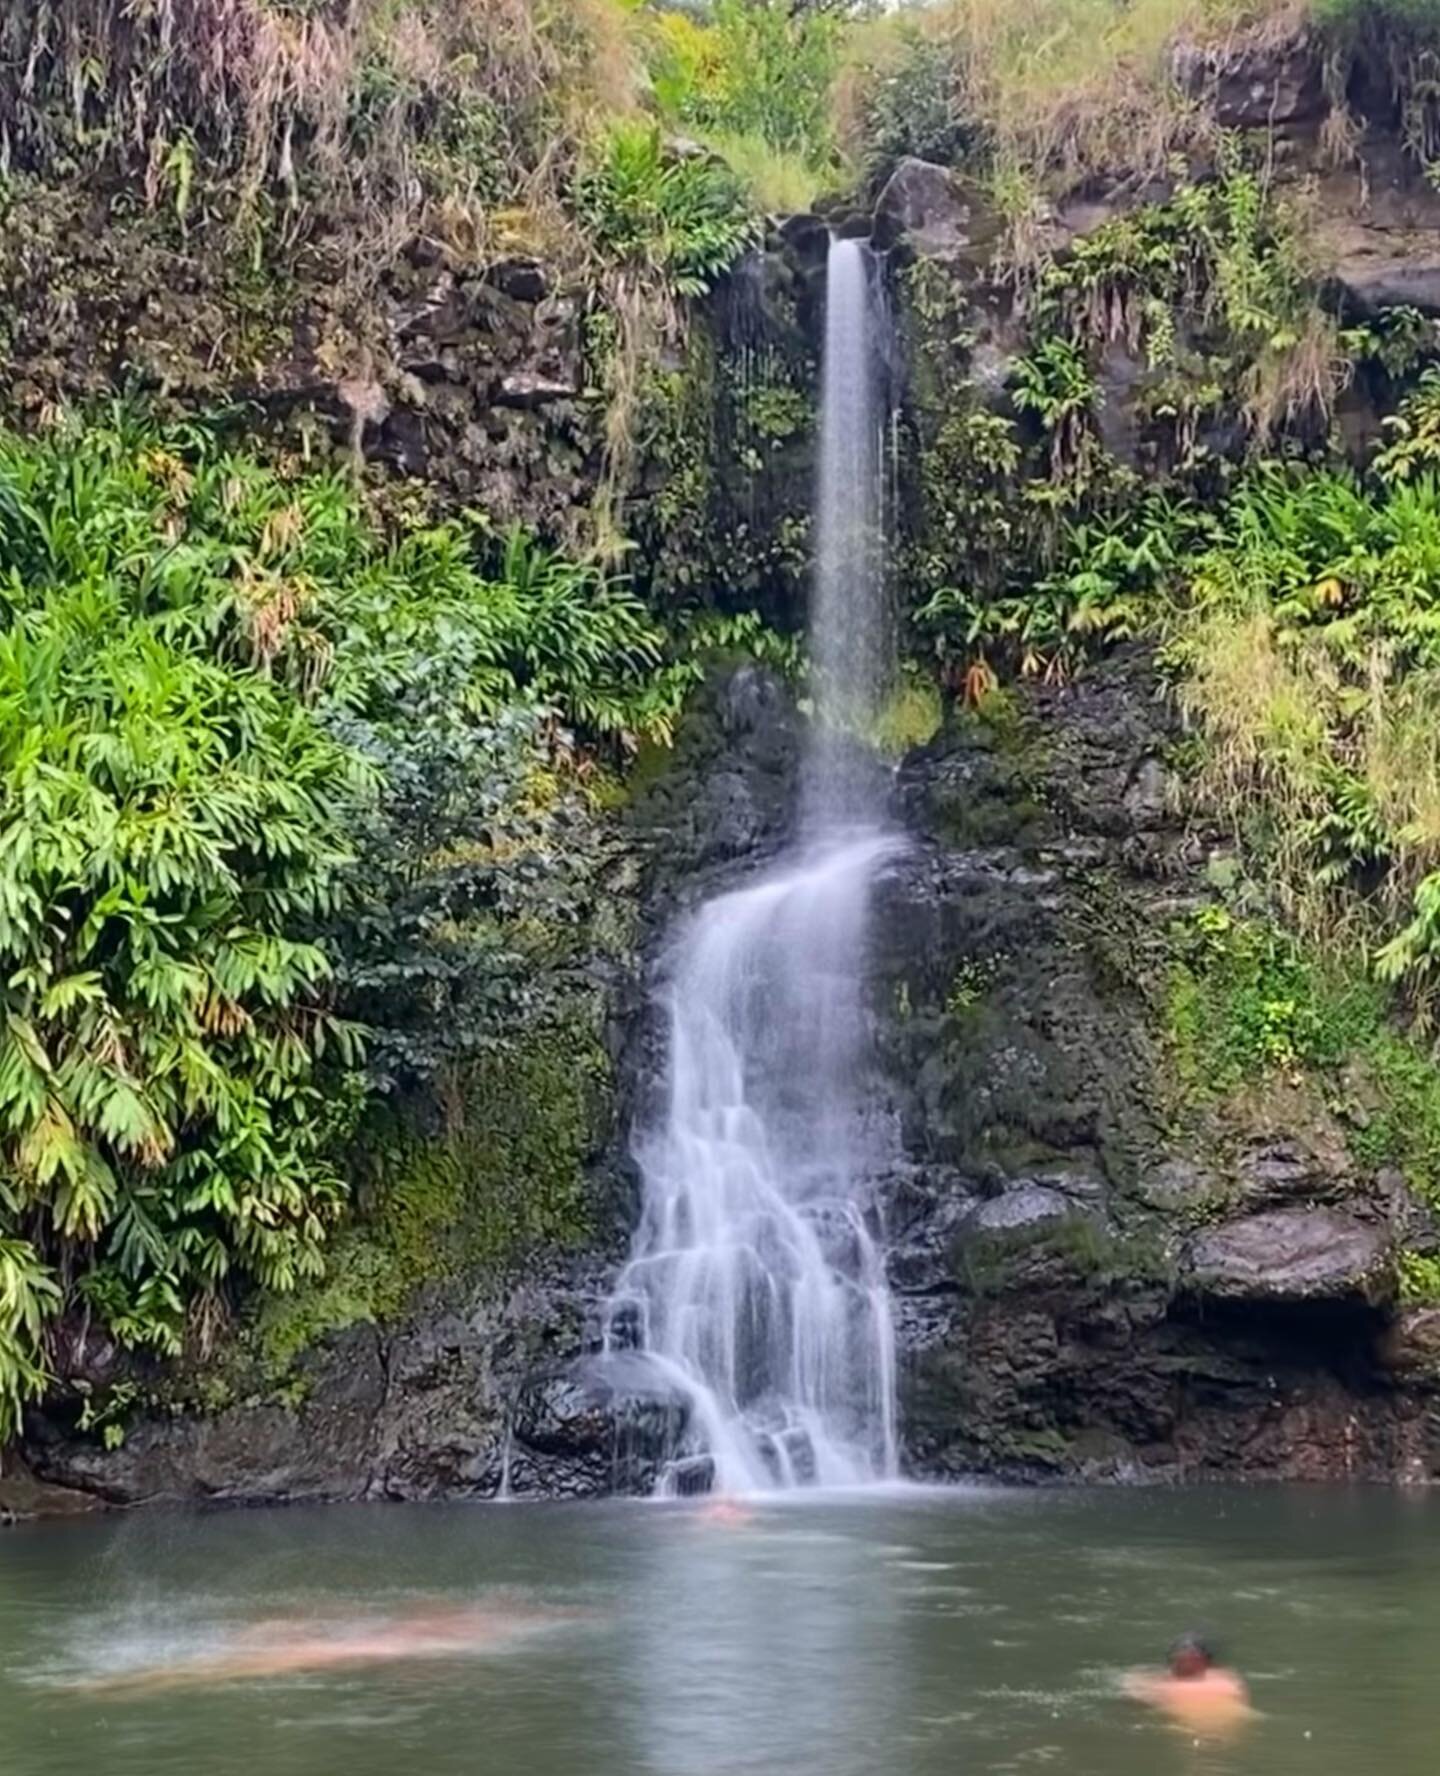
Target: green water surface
{"points": [[896, 1635]]}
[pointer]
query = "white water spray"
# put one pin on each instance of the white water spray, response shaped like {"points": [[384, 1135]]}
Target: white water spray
{"points": [[756, 1287]]}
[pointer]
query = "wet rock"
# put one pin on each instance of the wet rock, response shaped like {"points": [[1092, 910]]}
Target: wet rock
{"points": [[1120, 1303], [1291, 1255], [728, 796], [1020, 1210], [1277, 1170], [1148, 795], [1410, 1346], [23, 1496], [991, 368], [926, 206], [847, 223], [1378, 269], [564, 1415], [807, 237], [1376, 233], [758, 716], [600, 1425], [1259, 82], [1180, 1187], [526, 280], [532, 388], [1121, 375]]}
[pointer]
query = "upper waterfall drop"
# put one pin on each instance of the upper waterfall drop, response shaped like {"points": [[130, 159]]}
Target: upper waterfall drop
{"points": [[850, 641], [755, 1287]]}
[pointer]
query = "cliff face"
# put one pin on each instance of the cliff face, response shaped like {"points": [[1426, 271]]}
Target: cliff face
{"points": [[1099, 1270], [477, 1378], [1109, 1259], [1103, 1268]]}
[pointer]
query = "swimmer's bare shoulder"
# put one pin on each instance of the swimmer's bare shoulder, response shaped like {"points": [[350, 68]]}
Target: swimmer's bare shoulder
{"points": [[1194, 1692]]}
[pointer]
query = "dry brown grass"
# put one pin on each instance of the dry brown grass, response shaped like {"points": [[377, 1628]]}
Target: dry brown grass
{"points": [[1076, 85], [1294, 385], [393, 114], [1061, 94]]}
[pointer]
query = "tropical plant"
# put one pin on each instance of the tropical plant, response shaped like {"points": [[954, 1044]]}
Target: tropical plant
{"points": [[899, 95], [1414, 442], [757, 71], [1308, 644], [238, 726], [681, 219], [174, 827], [1056, 385]]}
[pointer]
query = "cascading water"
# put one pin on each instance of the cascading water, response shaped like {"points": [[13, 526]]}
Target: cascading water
{"points": [[755, 1290]]}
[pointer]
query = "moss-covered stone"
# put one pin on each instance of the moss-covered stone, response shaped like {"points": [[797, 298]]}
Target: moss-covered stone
{"points": [[1071, 1250], [727, 445], [502, 1177], [1249, 1007]]}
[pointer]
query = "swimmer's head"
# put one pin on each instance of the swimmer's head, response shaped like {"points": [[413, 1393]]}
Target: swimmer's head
{"points": [[1190, 1656]]}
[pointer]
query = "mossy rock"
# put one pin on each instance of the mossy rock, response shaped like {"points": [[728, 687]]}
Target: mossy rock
{"points": [[503, 1176]]}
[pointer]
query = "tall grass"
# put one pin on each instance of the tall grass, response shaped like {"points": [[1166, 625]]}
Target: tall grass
{"points": [[779, 182], [390, 113], [1074, 86], [752, 80], [1309, 648]]}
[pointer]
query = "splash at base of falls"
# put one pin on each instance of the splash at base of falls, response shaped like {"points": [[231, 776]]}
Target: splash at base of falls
{"points": [[756, 1288]]}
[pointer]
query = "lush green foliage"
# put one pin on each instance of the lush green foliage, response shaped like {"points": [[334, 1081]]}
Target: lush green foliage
{"points": [[1248, 1004], [1039, 95], [754, 80], [1298, 613], [898, 96], [245, 738], [1036, 540], [679, 221], [459, 117], [1309, 644], [174, 829], [1212, 277], [1299, 618], [758, 67], [1245, 1000]]}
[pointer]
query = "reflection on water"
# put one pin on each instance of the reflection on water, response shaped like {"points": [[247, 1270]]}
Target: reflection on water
{"points": [[910, 1635]]}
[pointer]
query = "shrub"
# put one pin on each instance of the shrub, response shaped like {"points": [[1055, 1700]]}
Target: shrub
{"points": [[680, 220], [759, 68], [383, 111], [1310, 649], [899, 96], [174, 828], [238, 726]]}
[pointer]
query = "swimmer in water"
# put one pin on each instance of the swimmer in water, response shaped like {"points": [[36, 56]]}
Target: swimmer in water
{"points": [[280, 1648], [726, 1511], [1196, 1693]]}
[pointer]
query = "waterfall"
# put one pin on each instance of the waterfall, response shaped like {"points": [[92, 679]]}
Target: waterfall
{"points": [[755, 1289], [850, 642]]}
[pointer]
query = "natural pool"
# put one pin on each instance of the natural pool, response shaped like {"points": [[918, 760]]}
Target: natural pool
{"points": [[905, 1634]]}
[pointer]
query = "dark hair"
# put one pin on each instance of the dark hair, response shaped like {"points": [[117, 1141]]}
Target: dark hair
{"points": [[1193, 1643]]}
